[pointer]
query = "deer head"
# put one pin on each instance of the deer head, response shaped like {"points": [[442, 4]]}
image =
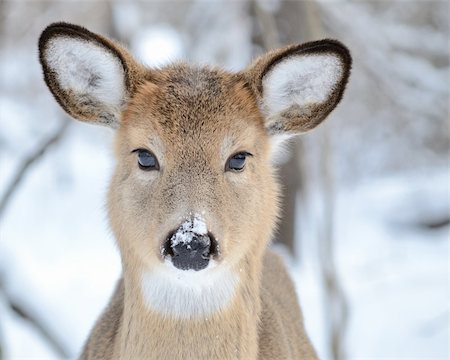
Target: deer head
{"points": [[195, 188]]}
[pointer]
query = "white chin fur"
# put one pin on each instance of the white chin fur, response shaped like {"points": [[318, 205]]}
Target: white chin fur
{"points": [[300, 80], [188, 293], [87, 70]]}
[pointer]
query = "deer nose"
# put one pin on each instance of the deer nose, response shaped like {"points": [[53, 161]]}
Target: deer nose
{"points": [[193, 254], [189, 250]]}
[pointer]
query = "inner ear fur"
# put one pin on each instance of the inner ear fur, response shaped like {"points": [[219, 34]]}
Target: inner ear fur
{"points": [[298, 119], [87, 109]]}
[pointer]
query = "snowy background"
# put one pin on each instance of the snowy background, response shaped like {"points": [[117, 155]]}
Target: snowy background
{"points": [[367, 194]]}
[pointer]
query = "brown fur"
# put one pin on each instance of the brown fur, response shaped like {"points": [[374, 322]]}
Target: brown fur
{"points": [[193, 119], [280, 330]]}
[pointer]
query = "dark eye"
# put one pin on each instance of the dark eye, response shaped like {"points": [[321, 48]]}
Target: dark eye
{"points": [[146, 160], [237, 161]]}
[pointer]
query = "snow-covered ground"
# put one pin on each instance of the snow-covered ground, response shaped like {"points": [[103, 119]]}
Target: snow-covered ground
{"points": [[64, 270], [394, 269], [58, 258]]}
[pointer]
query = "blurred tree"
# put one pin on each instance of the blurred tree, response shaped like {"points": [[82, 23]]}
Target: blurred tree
{"points": [[15, 36], [266, 36], [297, 22]]}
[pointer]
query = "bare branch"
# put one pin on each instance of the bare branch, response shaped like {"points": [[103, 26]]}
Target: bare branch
{"points": [[23, 312], [28, 162]]}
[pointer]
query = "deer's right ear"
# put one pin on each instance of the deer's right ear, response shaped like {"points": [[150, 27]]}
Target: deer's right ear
{"points": [[91, 77], [298, 86]]}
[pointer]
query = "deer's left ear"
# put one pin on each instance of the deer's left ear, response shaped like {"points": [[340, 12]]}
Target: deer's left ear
{"points": [[90, 76], [298, 86]]}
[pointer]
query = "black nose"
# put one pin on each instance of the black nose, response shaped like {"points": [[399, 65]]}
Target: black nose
{"points": [[190, 251], [193, 254]]}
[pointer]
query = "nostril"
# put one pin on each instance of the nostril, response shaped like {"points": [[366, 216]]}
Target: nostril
{"points": [[196, 242], [167, 247], [214, 246]]}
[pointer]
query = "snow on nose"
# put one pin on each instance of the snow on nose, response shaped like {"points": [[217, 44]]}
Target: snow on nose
{"points": [[188, 231], [191, 245]]}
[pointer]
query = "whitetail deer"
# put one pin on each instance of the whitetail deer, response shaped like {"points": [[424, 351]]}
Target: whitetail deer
{"points": [[194, 199]]}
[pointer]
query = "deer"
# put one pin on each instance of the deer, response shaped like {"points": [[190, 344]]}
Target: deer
{"points": [[195, 198]]}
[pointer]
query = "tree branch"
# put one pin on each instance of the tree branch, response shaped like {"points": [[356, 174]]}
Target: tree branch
{"points": [[28, 162], [21, 311]]}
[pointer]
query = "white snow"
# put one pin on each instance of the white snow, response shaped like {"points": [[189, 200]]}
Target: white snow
{"points": [[394, 272], [188, 230], [157, 45], [62, 271], [15, 332]]}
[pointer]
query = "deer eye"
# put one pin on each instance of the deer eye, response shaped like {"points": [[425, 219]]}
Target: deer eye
{"points": [[146, 160], [237, 161]]}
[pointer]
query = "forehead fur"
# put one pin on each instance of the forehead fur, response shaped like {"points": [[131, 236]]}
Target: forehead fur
{"points": [[194, 101]]}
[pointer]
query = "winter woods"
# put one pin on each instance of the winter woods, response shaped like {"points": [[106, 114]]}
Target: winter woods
{"points": [[366, 209]]}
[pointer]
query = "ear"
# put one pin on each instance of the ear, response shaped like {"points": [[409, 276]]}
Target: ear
{"points": [[298, 86], [91, 77]]}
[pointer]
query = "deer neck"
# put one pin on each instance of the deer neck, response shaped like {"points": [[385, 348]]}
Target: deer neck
{"points": [[226, 329]]}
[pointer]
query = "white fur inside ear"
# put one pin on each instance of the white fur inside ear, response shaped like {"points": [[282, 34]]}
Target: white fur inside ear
{"points": [[88, 70], [300, 80]]}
